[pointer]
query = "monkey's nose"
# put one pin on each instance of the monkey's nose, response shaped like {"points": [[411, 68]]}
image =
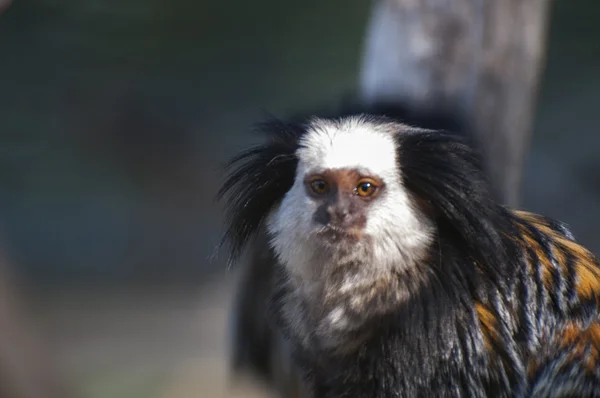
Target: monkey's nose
{"points": [[339, 215]]}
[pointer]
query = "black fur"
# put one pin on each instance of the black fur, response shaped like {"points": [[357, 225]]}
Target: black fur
{"points": [[258, 179], [485, 256]]}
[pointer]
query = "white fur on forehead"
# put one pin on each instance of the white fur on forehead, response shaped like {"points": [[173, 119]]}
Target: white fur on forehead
{"points": [[351, 143]]}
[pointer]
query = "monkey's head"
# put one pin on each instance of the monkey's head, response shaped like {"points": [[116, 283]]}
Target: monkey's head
{"points": [[364, 194], [347, 202]]}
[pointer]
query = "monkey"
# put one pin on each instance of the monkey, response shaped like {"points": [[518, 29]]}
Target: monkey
{"points": [[395, 272], [257, 349]]}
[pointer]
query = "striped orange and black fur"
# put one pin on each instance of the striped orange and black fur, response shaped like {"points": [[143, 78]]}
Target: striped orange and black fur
{"points": [[553, 318], [564, 346]]}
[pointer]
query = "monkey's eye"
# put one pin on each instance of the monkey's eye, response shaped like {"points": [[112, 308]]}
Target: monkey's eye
{"points": [[366, 188], [319, 186]]}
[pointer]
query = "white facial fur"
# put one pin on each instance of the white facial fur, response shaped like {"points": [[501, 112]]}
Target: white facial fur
{"points": [[399, 232]]}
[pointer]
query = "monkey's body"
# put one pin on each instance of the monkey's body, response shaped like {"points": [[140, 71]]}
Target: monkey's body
{"points": [[427, 288]]}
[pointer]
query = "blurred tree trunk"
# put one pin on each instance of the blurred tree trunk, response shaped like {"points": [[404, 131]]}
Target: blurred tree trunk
{"points": [[479, 58]]}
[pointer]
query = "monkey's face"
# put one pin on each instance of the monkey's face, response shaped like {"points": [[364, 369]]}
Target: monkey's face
{"points": [[342, 198], [348, 200]]}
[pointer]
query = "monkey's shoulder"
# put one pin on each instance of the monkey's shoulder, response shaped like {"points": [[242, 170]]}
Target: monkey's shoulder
{"points": [[566, 265], [568, 362]]}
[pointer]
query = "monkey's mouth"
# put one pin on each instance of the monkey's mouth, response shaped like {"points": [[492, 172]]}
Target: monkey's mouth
{"points": [[333, 234]]}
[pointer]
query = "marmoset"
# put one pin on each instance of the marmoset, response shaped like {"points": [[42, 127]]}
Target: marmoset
{"points": [[257, 348], [395, 272]]}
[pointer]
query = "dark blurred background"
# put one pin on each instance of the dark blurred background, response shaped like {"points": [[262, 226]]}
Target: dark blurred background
{"points": [[116, 117]]}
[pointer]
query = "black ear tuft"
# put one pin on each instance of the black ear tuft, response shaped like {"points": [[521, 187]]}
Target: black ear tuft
{"points": [[447, 173], [257, 180]]}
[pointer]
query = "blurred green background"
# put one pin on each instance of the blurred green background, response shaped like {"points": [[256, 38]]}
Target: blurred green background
{"points": [[116, 117]]}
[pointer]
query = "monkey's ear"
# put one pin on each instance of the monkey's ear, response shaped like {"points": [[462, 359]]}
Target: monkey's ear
{"points": [[257, 179], [446, 173]]}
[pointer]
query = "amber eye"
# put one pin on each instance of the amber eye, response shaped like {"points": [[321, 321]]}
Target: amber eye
{"points": [[319, 186], [366, 188]]}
